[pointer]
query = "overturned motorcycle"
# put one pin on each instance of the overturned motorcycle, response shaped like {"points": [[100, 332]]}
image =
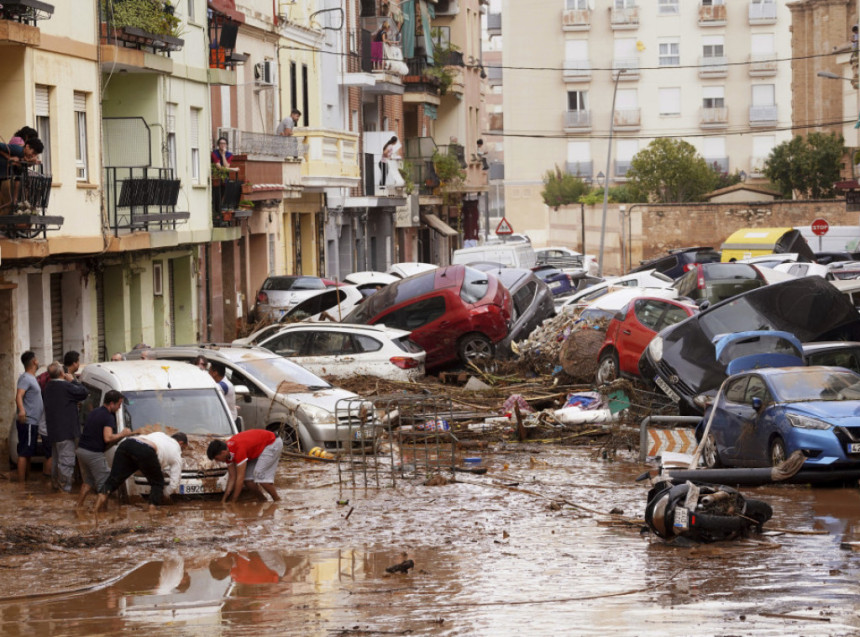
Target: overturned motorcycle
{"points": [[702, 512]]}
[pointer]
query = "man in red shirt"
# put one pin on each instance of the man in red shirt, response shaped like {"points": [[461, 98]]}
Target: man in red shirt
{"points": [[252, 458]]}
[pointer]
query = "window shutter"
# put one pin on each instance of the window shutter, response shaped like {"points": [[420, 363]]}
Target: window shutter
{"points": [[195, 128], [42, 104], [171, 117], [80, 102]]}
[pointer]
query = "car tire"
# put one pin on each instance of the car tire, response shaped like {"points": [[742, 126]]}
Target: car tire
{"points": [[777, 451], [288, 435], [475, 348], [710, 455], [607, 368]]}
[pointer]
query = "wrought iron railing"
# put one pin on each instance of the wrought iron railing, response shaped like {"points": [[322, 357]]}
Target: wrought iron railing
{"points": [[25, 11], [115, 31], [24, 196], [142, 199]]}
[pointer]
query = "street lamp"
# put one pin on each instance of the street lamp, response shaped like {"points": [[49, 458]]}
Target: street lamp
{"points": [[608, 162], [832, 76]]}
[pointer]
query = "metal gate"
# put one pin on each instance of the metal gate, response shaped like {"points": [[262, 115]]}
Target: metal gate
{"points": [[100, 317], [57, 316]]}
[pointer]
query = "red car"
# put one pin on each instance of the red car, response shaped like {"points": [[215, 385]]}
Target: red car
{"points": [[630, 332], [452, 312]]}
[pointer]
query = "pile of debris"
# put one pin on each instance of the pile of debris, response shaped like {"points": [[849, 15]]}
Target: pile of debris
{"points": [[564, 343]]}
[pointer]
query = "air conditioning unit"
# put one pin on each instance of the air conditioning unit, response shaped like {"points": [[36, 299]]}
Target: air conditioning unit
{"points": [[264, 73]]}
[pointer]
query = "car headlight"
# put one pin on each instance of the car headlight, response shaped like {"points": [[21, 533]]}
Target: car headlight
{"points": [[314, 415], [655, 349], [805, 422]]}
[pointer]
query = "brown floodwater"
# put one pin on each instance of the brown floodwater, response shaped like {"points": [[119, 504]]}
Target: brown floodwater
{"points": [[489, 560]]}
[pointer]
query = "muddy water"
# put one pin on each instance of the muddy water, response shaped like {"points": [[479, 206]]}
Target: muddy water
{"points": [[489, 560]]}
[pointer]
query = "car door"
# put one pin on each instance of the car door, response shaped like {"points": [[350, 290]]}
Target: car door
{"points": [[330, 353], [636, 331], [754, 443], [728, 420]]}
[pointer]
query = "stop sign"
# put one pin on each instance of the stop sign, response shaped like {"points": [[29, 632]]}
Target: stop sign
{"points": [[820, 227]]}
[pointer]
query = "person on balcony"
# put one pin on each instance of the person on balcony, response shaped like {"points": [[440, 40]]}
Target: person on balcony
{"points": [[221, 155], [390, 164], [22, 135], [285, 128], [13, 156], [378, 45]]}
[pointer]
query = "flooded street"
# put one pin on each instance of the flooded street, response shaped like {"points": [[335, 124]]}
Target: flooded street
{"points": [[494, 554]]}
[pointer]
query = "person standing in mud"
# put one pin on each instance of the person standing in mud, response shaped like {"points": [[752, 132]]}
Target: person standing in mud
{"points": [[61, 397], [31, 414], [252, 458], [98, 434], [154, 455]]}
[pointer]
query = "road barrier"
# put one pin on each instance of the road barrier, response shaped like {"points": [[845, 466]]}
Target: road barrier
{"points": [[654, 440]]}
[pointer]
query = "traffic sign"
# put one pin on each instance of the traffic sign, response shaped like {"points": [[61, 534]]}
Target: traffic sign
{"points": [[504, 227], [820, 227]]}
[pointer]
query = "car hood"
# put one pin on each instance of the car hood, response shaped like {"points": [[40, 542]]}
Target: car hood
{"points": [[832, 411], [323, 398]]}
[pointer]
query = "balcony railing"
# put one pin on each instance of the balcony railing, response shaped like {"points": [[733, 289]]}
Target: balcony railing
{"points": [[718, 164], [763, 115], [624, 18], [25, 11], [582, 169], [712, 15], [576, 20], [226, 195], [424, 176], [621, 167], [420, 148], [577, 70], [630, 66], [762, 64], [713, 66], [717, 117], [263, 145], [142, 199], [23, 203], [494, 24], [627, 118], [577, 120], [119, 29], [417, 79], [330, 153], [762, 13]]}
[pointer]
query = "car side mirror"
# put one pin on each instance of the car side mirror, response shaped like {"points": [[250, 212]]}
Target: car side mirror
{"points": [[244, 392], [757, 403], [703, 304]]}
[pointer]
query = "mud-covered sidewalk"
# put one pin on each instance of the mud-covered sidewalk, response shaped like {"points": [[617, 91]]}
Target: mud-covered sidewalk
{"points": [[530, 547]]}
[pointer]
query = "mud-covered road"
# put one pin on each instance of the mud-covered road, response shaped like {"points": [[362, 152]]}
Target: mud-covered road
{"points": [[490, 559]]}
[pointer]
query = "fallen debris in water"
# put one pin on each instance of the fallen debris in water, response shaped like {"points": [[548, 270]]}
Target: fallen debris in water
{"points": [[402, 567]]}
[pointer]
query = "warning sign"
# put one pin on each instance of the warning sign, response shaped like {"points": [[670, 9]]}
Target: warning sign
{"points": [[504, 227]]}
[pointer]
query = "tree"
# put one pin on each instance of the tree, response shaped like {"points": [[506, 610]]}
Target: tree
{"points": [[806, 168], [561, 188], [670, 171]]}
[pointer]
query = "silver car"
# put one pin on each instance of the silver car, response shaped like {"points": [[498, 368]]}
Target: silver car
{"points": [[276, 394], [278, 294]]}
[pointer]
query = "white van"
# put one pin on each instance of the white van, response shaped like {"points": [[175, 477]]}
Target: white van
{"points": [[516, 254], [171, 394]]}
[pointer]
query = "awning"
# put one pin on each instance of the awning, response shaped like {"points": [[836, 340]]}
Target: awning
{"points": [[438, 225]]}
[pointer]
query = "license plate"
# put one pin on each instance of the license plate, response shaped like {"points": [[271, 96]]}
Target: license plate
{"points": [[363, 434], [555, 284], [662, 384], [190, 489], [854, 447], [681, 518]]}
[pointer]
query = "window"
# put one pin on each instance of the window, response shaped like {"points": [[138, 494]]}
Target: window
{"points": [[670, 53], [441, 37], [80, 110], [668, 7], [626, 99], [578, 151], [737, 389], [625, 4], [762, 95], [713, 46], [757, 389], [171, 137], [306, 107], [625, 49], [576, 50], [191, 10], [523, 298], [475, 285], [332, 344], [670, 101], [43, 125], [194, 140], [710, 3], [648, 312], [366, 344], [290, 344], [763, 145], [576, 100], [673, 315], [573, 5], [415, 315], [713, 97], [761, 44]]}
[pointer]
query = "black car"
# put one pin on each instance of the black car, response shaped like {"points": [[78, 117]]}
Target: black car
{"points": [[679, 261], [715, 282], [833, 354], [681, 359], [826, 258]]}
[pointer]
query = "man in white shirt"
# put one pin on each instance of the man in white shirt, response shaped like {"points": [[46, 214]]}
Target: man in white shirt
{"points": [[218, 372], [154, 455], [285, 128]]}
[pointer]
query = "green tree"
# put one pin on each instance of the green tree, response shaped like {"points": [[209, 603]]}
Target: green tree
{"points": [[806, 168], [670, 171], [561, 188]]}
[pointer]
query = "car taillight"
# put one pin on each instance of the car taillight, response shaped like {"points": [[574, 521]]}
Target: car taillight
{"points": [[701, 281], [404, 362], [690, 266]]}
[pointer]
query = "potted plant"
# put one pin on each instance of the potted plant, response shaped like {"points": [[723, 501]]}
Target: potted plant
{"points": [[219, 174], [246, 204]]}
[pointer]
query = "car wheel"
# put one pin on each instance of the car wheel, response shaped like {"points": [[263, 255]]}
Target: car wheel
{"points": [[287, 434], [777, 451], [607, 368], [710, 456], [475, 348]]}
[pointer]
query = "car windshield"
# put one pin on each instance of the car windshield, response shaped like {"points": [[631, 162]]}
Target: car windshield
{"points": [[282, 283], [392, 295], [281, 375], [475, 285], [816, 384], [729, 271], [717, 291], [192, 411]]}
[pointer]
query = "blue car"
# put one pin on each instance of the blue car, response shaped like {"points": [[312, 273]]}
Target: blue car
{"points": [[558, 282], [762, 416]]}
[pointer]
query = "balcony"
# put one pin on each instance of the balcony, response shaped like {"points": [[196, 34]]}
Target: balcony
{"points": [[717, 117], [718, 164], [630, 67], [577, 70], [712, 15], [142, 199], [763, 115], [621, 168], [757, 166], [23, 204], [713, 66], [626, 18], [627, 119], [494, 24], [582, 169], [18, 21], [331, 158], [418, 155], [577, 121], [223, 29], [420, 80], [762, 64], [227, 209], [576, 20], [762, 13], [261, 145], [123, 27]]}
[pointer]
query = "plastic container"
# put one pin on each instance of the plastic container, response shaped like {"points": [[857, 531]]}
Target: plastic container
{"points": [[319, 452]]}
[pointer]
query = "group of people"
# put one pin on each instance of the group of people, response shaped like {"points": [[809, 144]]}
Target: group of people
{"points": [[48, 424], [23, 148]]}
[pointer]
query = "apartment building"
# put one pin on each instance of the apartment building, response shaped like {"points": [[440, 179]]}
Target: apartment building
{"points": [[714, 73]]}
